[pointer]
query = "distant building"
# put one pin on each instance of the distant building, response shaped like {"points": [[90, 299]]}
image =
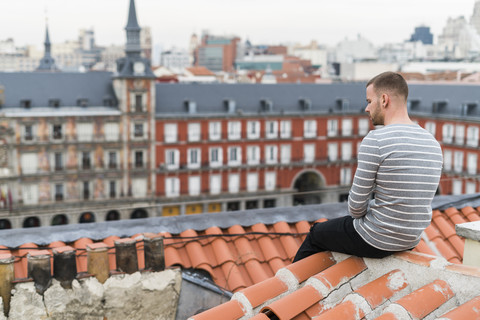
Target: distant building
{"points": [[175, 59], [218, 53], [359, 49], [423, 34], [475, 18]]}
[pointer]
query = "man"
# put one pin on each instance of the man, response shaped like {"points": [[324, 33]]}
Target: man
{"points": [[399, 165]]}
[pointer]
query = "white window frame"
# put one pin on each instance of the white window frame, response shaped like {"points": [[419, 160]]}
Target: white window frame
{"points": [[33, 136], [470, 187], [457, 186], [194, 185], [217, 161], [271, 129], [447, 160], [459, 134], [447, 133], [253, 155], [309, 128], [29, 163], [139, 187], [214, 130], [252, 181], [194, 164], [170, 132], [174, 155], [172, 187], [253, 129], [233, 183], [472, 163], [345, 176], [347, 127], [270, 180], [30, 194], [472, 136], [271, 154], [215, 184], [285, 129], [194, 132], [285, 153], [112, 131], [234, 156], [234, 130], [309, 152], [85, 131], [458, 161], [62, 132], [332, 151], [363, 126], [346, 151], [332, 127], [431, 127]]}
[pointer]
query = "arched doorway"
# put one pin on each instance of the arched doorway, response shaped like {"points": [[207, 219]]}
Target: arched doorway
{"points": [[112, 215], [5, 224], [87, 217], [59, 219], [305, 185], [31, 222], [139, 214]]}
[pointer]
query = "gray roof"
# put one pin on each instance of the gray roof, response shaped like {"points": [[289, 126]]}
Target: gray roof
{"points": [[210, 98], [41, 87]]}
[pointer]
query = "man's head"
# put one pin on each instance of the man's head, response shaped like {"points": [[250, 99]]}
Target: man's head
{"points": [[386, 90]]}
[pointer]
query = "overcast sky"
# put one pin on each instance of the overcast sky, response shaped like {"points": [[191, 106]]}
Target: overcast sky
{"points": [[261, 21]]}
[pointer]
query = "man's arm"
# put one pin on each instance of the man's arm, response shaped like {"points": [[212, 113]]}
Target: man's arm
{"points": [[365, 176]]}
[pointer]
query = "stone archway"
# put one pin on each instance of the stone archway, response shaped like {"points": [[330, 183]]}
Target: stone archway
{"points": [[139, 214], [306, 184]]}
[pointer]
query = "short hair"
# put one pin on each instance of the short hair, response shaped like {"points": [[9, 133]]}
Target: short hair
{"points": [[390, 81]]}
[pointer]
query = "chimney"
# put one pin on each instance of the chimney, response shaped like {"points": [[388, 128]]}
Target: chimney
{"points": [[471, 232]]}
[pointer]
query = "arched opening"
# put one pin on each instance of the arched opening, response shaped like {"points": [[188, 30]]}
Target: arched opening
{"points": [[31, 222], [5, 224], [139, 214], [306, 185], [87, 217], [59, 219], [112, 215]]}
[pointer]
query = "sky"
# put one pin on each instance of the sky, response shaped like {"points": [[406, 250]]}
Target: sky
{"points": [[172, 22]]}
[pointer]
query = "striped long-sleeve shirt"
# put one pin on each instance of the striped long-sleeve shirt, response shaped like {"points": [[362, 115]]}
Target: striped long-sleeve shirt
{"points": [[401, 166]]}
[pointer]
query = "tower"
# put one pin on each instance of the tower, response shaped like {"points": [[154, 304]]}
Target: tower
{"points": [[47, 63]]}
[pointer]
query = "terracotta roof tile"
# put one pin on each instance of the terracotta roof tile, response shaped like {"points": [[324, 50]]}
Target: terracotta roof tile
{"points": [[294, 303], [231, 310], [444, 227], [341, 272], [418, 258], [345, 311], [445, 249], [383, 288], [305, 268], [387, 316], [468, 310]]}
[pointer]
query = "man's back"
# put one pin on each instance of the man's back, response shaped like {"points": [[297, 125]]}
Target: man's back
{"points": [[403, 164]]}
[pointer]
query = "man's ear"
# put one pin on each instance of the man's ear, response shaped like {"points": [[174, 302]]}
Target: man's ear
{"points": [[385, 100]]}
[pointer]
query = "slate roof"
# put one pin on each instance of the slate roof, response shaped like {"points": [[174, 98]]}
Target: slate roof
{"points": [[41, 87], [170, 98], [250, 254]]}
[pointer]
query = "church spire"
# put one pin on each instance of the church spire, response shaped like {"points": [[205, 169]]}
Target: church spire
{"points": [[47, 63], [133, 48]]}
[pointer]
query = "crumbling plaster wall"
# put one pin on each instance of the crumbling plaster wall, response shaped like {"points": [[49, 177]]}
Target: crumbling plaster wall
{"points": [[146, 295]]}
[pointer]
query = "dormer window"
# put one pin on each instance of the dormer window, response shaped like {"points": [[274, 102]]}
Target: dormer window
{"points": [[342, 104], [413, 105], [82, 102], [26, 103], [439, 106], [108, 102], [267, 105], [55, 103], [230, 105], [305, 104], [191, 106], [469, 108]]}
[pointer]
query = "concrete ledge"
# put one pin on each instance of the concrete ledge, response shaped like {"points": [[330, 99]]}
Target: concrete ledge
{"points": [[469, 230]]}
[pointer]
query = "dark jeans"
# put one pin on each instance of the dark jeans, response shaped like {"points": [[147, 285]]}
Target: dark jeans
{"points": [[337, 235]]}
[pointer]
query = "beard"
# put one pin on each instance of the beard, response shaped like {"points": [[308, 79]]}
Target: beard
{"points": [[377, 116]]}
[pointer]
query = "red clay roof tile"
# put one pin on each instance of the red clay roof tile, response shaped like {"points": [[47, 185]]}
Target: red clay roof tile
{"points": [[444, 227], [305, 268], [379, 290], [231, 310], [387, 316], [341, 272], [346, 310], [263, 291], [418, 258], [445, 249], [468, 310]]}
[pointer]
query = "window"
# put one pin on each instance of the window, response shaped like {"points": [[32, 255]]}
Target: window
{"points": [[271, 128], [332, 127], [457, 187], [253, 155], [194, 133], [431, 127], [216, 157], [172, 187], [459, 134], [194, 185], [112, 189], [285, 129], [112, 132], [193, 158], [86, 160], [58, 192], [28, 132], [29, 163], [138, 130], [270, 180], [30, 194], [138, 103], [86, 190], [138, 159], [332, 151], [170, 132], [139, 188], [447, 133], [309, 153], [234, 156], [346, 151], [472, 163], [215, 131], [285, 153], [253, 129], [252, 181], [234, 130], [233, 183], [215, 184], [57, 132], [85, 132], [472, 136], [470, 187], [458, 161], [271, 154], [58, 161], [346, 127], [363, 126], [345, 176], [447, 160], [309, 128], [172, 159], [112, 160]]}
